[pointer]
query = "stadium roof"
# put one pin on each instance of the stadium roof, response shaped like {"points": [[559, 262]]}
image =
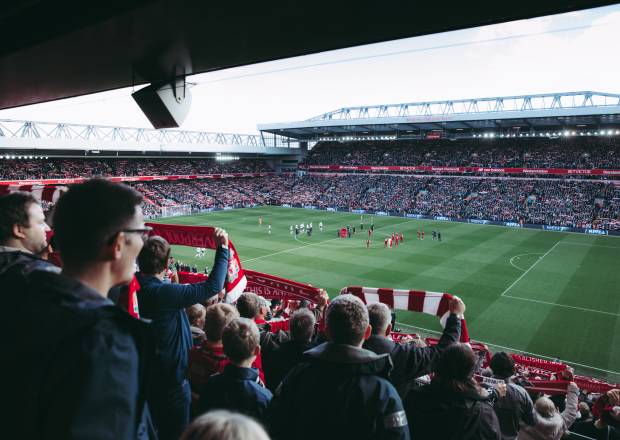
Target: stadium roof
{"points": [[63, 48], [585, 111]]}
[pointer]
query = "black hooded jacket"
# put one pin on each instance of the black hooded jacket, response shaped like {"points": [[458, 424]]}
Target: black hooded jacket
{"points": [[338, 391], [411, 362], [439, 414]]}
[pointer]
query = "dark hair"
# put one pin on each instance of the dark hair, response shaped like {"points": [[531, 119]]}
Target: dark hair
{"points": [[502, 364], [154, 255], [89, 215], [302, 325], [248, 305], [14, 211], [455, 369]]}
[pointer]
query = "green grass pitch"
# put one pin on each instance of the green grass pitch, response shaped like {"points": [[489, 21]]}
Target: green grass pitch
{"points": [[545, 293]]}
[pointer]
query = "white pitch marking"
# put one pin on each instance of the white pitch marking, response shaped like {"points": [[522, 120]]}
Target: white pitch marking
{"points": [[587, 244], [315, 244], [530, 268], [520, 255], [562, 305]]}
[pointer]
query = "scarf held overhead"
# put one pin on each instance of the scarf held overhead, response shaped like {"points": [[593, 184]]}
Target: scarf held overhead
{"points": [[433, 303], [204, 237]]}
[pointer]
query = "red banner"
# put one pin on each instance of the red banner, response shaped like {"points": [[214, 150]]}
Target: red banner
{"points": [[426, 169], [265, 285], [132, 178], [204, 237], [273, 287]]}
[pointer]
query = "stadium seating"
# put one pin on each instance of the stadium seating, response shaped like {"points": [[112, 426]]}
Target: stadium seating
{"points": [[578, 152], [571, 203], [25, 169]]}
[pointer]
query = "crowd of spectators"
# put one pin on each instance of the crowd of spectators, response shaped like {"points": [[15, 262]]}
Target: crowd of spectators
{"points": [[54, 168], [337, 373], [557, 202], [583, 153]]}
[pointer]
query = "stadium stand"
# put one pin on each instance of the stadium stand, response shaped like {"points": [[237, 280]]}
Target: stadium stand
{"points": [[567, 203], [574, 202], [27, 169], [581, 153]]}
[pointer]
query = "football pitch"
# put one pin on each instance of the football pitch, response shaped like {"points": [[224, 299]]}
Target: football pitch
{"points": [[549, 294]]}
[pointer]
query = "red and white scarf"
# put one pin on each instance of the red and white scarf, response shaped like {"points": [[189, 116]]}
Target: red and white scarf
{"points": [[48, 193], [432, 303], [204, 237]]}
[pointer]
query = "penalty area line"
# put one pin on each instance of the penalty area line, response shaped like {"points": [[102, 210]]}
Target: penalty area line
{"points": [[583, 309], [530, 268]]}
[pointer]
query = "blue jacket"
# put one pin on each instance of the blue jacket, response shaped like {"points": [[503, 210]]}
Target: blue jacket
{"points": [[236, 389], [79, 370], [165, 304], [338, 391]]}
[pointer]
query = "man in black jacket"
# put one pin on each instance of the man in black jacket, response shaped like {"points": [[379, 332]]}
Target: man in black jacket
{"points": [[165, 303], [79, 372], [516, 406], [410, 362], [23, 232], [290, 353], [340, 390]]}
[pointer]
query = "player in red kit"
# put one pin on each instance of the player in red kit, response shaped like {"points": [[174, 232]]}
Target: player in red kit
{"points": [[422, 234], [402, 237], [418, 234], [385, 242]]}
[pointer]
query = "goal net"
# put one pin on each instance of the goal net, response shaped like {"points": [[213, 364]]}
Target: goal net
{"points": [[172, 211]]}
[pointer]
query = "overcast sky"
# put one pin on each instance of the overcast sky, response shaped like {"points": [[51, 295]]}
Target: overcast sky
{"points": [[560, 53]]}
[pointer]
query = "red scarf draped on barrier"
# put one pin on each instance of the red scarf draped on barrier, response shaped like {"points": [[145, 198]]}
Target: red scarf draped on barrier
{"points": [[204, 237], [433, 303]]}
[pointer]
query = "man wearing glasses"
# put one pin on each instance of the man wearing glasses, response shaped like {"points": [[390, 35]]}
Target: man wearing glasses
{"points": [[165, 303], [78, 373]]}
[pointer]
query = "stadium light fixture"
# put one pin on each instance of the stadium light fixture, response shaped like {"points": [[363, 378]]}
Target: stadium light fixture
{"points": [[609, 132], [617, 131]]}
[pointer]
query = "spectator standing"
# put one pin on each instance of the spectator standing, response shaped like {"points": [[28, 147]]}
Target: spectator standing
{"points": [[607, 423], [209, 358], [165, 303], [254, 307], [238, 387], [516, 406], [410, 362], [549, 422], [454, 406], [340, 390], [290, 353], [22, 232], [78, 372], [196, 317]]}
